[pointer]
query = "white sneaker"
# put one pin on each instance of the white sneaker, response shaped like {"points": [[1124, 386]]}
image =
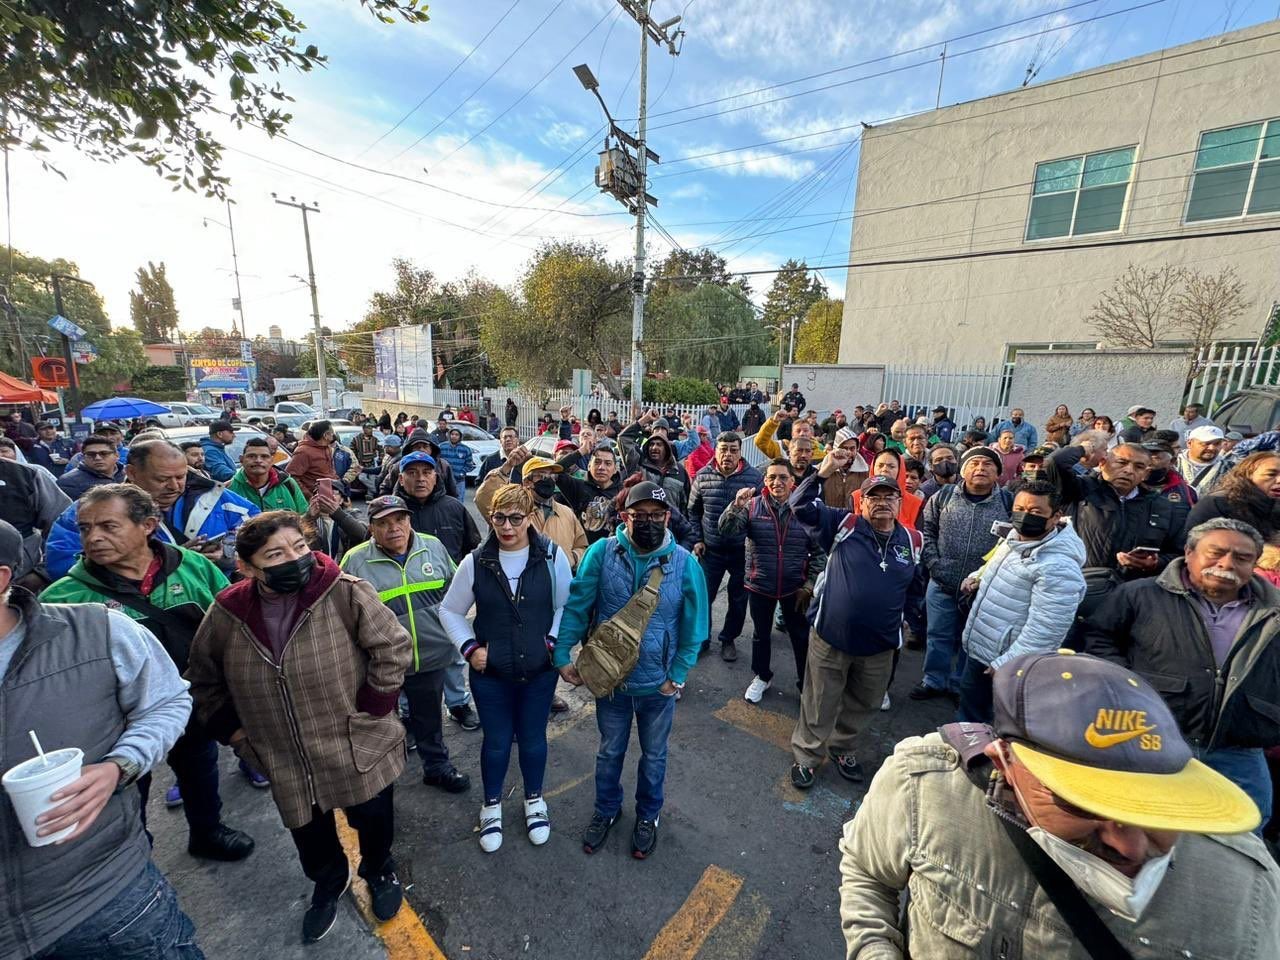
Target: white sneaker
{"points": [[536, 821], [491, 827], [756, 689], [884, 704]]}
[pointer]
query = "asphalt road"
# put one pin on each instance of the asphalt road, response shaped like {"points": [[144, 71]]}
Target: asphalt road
{"points": [[746, 866]]}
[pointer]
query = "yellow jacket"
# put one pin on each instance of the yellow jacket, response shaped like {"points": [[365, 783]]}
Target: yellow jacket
{"points": [[766, 444]]}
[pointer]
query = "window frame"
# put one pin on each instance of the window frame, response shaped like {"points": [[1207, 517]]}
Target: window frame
{"points": [[1079, 188], [1253, 173]]}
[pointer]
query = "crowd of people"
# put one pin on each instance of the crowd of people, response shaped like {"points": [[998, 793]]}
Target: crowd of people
{"points": [[1096, 601]]}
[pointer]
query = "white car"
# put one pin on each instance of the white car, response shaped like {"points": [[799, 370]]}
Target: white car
{"points": [[481, 442], [196, 414]]}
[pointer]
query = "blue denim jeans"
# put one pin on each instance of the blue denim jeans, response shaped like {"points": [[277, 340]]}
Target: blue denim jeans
{"points": [[653, 714], [1246, 767], [142, 922], [943, 658], [513, 711], [455, 684]]}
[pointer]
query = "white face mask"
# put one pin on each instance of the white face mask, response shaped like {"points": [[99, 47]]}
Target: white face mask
{"points": [[1124, 897]]}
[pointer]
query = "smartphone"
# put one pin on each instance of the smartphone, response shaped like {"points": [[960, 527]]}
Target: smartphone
{"points": [[1001, 528], [324, 488], [1150, 551], [213, 541]]}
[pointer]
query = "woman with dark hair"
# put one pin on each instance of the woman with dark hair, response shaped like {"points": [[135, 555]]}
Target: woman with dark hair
{"points": [[1058, 428], [1104, 422], [1249, 492], [518, 583], [1084, 421], [593, 418], [384, 421], [298, 667]]}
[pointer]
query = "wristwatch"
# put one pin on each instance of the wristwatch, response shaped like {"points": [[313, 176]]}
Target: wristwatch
{"points": [[130, 771]]}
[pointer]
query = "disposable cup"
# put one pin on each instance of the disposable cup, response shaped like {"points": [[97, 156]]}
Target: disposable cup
{"points": [[31, 784]]}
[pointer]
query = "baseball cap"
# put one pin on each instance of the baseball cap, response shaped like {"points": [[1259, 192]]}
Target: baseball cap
{"points": [[409, 459], [1101, 738], [385, 506], [539, 463], [1234, 435], [875, 483], [562, 445], [646, 490], [1137, 409], [1206, 434], [392, 440], [10, 546], [939, 409]]}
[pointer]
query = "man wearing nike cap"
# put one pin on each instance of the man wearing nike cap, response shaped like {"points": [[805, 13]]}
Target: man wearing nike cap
{"points": [[1083, 787]]}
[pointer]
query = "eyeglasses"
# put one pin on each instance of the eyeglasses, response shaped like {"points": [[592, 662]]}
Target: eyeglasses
{"points": [[882, 497], [648, 517], [95, 454], [509, 520]]}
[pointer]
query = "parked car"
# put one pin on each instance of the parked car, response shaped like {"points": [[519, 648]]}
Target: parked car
{"points": [[1250, 412], [481, 442], [244, 431], [195, 413], [171, 418]]}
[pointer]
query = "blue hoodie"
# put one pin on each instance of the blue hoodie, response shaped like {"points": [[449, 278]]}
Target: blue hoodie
{"points": [[610, 573], [217, 462]]}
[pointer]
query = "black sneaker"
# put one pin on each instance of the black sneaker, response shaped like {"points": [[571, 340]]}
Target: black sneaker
{"points": [[849, 767], [644, 838], [705, 648], [801, 776], [221, 843], [385, 895], [319, 918], [465, 717], [451, 781], [597, 831], [922, 691], [728, 652]]}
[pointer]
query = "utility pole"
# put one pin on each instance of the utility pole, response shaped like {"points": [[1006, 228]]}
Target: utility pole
{"points": [[238, 303], [315, 303], [624, 176]]}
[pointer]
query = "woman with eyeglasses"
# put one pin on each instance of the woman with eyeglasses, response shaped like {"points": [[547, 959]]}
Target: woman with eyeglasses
{"points": [[518, 582]]}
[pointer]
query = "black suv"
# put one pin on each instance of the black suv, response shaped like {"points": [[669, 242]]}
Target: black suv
{"points": [[1250, 412]]}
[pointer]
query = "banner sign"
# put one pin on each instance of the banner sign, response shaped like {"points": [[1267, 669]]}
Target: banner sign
{"points": [[403, 365], [220, 374]]}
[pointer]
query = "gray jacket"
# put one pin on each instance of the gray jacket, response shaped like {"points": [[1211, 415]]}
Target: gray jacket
{"points": [[957, 533], [924, 826]]}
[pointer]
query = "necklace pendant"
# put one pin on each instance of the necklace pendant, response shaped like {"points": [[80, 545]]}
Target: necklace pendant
{"points": [[883, 565]]}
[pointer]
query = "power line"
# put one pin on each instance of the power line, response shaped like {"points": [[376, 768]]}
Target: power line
{"points": [[456, 67]]}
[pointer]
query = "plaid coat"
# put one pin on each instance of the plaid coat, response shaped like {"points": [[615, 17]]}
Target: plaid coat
{"points": [[322, 723]]}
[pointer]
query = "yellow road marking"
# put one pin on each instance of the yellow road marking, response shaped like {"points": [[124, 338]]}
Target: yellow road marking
{"points": [[738, 934], [566, 787], [774, 728], [690, 926], [403, 935]]}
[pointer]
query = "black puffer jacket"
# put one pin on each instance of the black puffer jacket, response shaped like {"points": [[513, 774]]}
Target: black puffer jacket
{"points": [[1109, 525], [445, 518], [710, 493], [1154, 627], [1254, 508]]}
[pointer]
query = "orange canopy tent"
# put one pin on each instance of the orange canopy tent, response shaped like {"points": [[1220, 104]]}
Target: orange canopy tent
{"points": [[13, 390]]}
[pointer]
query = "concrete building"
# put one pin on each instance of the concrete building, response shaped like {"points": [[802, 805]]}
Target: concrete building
{"points": [[1184, 142]]}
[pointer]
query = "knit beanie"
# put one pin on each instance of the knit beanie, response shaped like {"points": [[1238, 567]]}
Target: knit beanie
{"points": [[844, 435], [982, 452]]}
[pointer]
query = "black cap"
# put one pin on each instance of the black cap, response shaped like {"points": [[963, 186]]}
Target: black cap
{"points": [[10, 546], [939, 409], [646, 490]]}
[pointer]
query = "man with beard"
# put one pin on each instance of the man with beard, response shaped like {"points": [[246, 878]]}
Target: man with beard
{"points": [[659, 465]]}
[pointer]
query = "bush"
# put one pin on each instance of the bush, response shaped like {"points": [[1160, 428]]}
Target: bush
{"points": [[679, 390], [160, 380]]}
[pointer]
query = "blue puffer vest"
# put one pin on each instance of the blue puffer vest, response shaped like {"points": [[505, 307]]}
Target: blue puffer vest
{"points": [[515, 628], [712, 492], [619, 581], [779, 557]]}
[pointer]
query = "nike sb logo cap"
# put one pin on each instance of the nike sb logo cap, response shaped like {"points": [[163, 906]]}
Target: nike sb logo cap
{"points": [[1102, 738]]}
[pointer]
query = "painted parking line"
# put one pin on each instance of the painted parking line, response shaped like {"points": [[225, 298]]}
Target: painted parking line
{"points": [[774, 728], [404, 936], [568, 785], [706, 905]]}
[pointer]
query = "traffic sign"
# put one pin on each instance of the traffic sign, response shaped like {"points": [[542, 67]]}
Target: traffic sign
{"points": [[65, 326]]}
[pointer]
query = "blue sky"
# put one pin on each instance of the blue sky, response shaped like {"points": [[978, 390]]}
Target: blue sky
{"points": [[531, 119]]}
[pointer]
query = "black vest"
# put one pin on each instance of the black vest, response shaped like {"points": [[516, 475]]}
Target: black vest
{"points": [[18, 496], [514, 627]]}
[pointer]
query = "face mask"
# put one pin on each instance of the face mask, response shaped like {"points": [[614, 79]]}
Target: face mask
{"points": [[1157, 477], [1124, 897], [946, 469], [1029, 525], [544, 488], [290, 576], [648, 535]]}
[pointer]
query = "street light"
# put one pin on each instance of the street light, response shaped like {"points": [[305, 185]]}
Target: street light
{"points": [[230, 227]]}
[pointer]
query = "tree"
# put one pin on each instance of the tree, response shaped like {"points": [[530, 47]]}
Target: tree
{"points": [[120, 357], [708, 332], [572, 309], [790, 296], [119, 77], [818, 339], [1151, 307], [701, 266], [151, 306]]}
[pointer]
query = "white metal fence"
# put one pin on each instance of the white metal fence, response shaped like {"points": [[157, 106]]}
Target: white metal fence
{"points": [[967, 392], [1228, 367]]}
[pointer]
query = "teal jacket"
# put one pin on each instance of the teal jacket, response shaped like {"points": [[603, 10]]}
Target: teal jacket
{"points": [[600, 589]]}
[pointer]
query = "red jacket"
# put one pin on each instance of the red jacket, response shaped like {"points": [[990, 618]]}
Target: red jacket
{"points": [[311, 461]]}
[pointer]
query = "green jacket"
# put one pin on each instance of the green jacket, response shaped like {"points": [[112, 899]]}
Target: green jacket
{"points": [[283, 492], [413, 592], [184, 588]]}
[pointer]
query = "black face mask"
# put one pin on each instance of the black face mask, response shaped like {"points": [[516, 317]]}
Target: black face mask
{"points": [[545, 488], [945, 470], [1016, 420], [290, 576], [647, 535], [1156, 478], [1030, 525]]}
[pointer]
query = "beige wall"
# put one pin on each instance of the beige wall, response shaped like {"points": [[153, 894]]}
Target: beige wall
{"points": [[967, 170]]}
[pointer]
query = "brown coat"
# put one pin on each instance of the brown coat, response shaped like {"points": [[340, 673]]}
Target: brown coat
{"points": [[322, 723], [563, 528], [1058, 429], [310, 462]]}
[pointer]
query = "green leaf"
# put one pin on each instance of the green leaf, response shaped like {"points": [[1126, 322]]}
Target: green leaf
{"points": [[243, 63], [237, 86]]}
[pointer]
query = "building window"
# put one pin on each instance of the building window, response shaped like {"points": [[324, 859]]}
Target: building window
{"points": [[1237, 173], [1080, 195]]}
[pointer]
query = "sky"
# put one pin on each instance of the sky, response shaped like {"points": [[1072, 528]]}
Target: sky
{"points": [[480, 105]]}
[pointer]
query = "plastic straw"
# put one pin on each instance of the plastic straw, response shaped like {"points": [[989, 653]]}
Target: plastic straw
{"points": [[39, 749]]}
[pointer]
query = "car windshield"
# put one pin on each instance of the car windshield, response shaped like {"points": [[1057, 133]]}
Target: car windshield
{"points": [[201, 409], [469, 432]]}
